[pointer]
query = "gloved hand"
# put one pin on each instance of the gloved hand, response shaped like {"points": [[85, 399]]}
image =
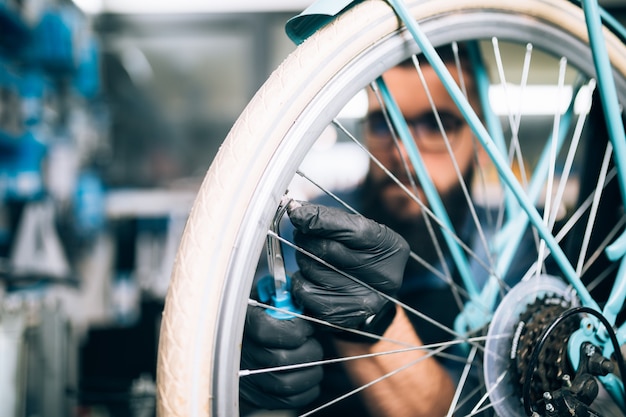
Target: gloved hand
{"points": [[270, 342], [363, 249]]}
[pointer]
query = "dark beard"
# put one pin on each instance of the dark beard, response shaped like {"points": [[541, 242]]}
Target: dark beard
{"points": [[415, 231]]}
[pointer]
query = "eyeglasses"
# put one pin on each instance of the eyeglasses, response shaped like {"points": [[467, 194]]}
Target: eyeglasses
{"points": [[426, 132]]}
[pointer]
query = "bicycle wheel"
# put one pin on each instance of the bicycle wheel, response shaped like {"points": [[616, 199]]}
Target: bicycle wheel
{"points": [[201, 332]]}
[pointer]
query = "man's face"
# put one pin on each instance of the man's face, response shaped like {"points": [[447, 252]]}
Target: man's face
{"points": [[409, 93]]}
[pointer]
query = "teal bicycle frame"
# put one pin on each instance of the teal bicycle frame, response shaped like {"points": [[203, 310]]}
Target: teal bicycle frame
{"points": [[473, 317]]}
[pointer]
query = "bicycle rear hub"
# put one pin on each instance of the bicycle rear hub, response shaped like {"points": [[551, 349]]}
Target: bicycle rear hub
{"points": [[526, 354]]}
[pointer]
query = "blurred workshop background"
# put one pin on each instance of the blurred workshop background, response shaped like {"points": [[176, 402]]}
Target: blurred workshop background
{"points": [[110, 114]]}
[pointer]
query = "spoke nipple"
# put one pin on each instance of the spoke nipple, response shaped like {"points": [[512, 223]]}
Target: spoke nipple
{"points": [[567, 381]]}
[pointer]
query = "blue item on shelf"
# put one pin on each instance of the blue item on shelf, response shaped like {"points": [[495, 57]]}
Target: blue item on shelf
{"points": [[87, 77], [21, 177], [89, 204], [51, 44], [32, 86]]}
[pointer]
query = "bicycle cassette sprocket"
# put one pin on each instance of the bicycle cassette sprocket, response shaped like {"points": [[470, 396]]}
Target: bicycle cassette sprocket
{"points": [[515, 328]]}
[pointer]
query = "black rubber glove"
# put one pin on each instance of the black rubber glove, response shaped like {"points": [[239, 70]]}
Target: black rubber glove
{"points": [[270, 342], [363, 249]]}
